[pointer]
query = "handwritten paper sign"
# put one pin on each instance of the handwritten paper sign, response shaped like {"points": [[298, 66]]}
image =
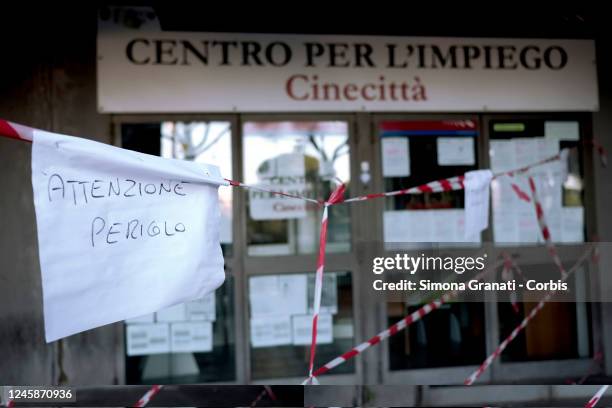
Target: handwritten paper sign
{"points": [[477, 201], [121, 234]]}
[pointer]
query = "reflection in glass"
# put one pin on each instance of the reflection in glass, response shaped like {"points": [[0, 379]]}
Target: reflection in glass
{"points": [[280, 322], [452, 336], [301, 158], [192, 342], [194, 363], [559, 183], [544, 338], [204, 142]]}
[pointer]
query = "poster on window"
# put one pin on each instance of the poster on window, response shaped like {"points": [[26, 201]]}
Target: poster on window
{"points": [[284, 173]]}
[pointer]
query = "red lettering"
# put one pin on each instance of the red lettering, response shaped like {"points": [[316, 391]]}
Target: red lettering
{"points": [[289, 87], [366, 96]]}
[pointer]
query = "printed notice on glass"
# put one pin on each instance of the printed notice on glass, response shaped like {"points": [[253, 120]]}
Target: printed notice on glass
{"points": [[270, 331], [477, 189], [191, 337], [145, 339], [395, 156], [302, 329], [562, 130], [148, 318], [202, 309], [284, 294], [456, 151], [174, 313]]}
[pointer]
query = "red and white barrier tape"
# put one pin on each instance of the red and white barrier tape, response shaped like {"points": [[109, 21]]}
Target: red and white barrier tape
{"points": [[507, 275], [448, 184], [502, 346], [552, 249], [595, 364], [144, 400], [19, 132], [595, 399], [267, 390], [16, 131], [234, 183], [395, 328], [336, 197]]}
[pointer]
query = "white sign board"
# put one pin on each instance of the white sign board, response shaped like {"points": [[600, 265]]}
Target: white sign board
{"points": [[145, 69], [121, 234]]}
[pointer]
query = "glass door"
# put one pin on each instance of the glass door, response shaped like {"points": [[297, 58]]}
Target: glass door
{"points": [[193, 342], [306, 156]]}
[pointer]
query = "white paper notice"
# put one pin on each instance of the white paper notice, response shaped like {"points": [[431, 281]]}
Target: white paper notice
{"points": [[395, 156], [503, 155], [572, 224], [191, 337], [148, 318], [272, 295], [202, 309], [270, 331], [477, 201], [302, 329], [526, 151], [456, 151], [174, 313], [419, 226], [120, 233], [561, 130], [143, 339]]}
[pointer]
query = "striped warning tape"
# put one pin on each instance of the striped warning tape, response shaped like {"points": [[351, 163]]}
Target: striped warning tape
{"points": [[595, 399], [267, 390], [397, 327], [502, 346], [144, 400], [552, 249], [19, 132], [336, 196]]}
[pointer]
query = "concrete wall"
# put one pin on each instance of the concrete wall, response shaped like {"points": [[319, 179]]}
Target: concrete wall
{"points": [[48, 82]]}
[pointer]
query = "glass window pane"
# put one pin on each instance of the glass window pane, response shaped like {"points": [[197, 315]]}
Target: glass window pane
{"points": [[417, 152], [453, 335], [205, 142], [281, 323], [517, 143], [544, 338], [195, 341], [187, 343], [302, 158]]}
